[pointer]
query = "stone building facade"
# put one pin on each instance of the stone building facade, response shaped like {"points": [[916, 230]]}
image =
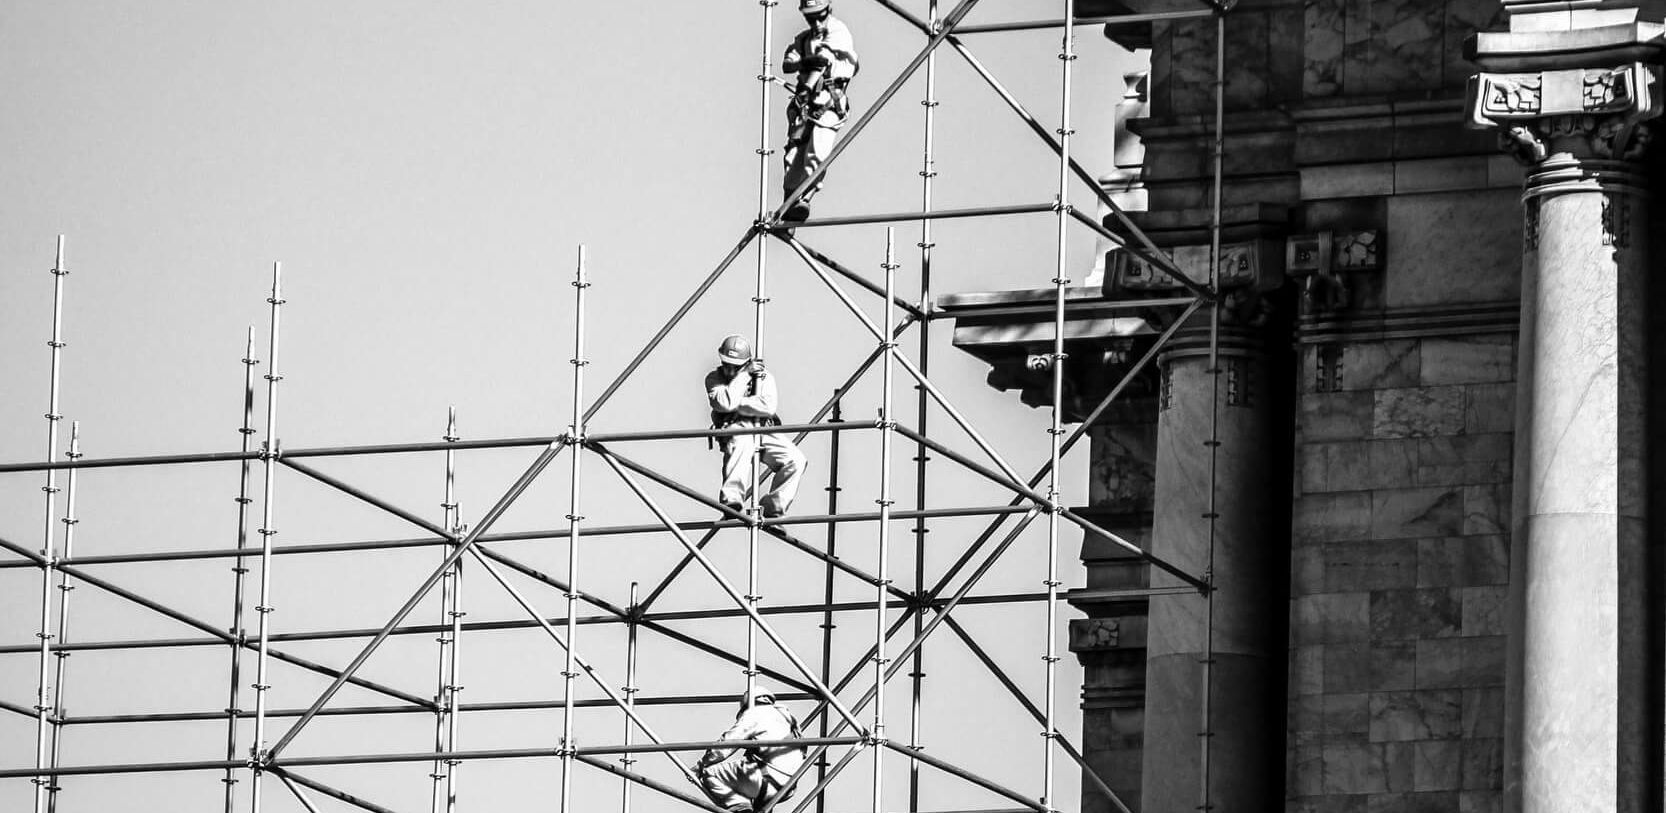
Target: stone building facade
{"points": [[1423, 416]]}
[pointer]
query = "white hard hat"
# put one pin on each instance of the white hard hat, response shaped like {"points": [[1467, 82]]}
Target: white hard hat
{"points": [[757, 696], [734, 349], [813, 6]]}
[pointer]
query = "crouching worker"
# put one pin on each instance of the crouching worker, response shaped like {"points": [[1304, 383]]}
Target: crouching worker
{"points": [[742, 394], [742, 779]]}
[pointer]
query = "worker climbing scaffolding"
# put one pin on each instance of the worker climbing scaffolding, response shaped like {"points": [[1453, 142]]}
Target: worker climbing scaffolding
{"points": [[743, 779], [824, 57], [743, 394]]}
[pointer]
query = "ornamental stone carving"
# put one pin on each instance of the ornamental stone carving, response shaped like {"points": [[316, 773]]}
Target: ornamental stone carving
{"points": [[1588, 112], [1321, 260]]}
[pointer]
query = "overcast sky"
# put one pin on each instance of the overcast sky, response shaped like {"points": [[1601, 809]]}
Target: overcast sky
{"points": [[425, 171]]}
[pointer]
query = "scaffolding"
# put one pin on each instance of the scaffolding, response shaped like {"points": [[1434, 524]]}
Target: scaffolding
{"points": [[844, 730]]}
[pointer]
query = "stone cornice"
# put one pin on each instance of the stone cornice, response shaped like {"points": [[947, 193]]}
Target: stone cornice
{"points": [[1409, 323], [1524, 49]]}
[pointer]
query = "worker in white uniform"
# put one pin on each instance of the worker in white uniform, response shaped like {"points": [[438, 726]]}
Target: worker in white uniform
{"points": [[824, 57], [742, 779], [742, 394]]}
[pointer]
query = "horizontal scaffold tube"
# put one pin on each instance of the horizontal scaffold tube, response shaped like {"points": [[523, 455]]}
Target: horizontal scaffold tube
{"points": [[936, 214], [348, 711], [498, 626], [1115, 19], [519, 536]]}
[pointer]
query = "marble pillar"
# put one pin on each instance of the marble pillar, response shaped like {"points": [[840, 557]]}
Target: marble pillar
{"points": [[1583, 725], [1245, 717]]}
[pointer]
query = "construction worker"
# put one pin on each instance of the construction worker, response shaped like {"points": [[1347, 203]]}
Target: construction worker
{"points": [[824, 57], [742, 779], [742, 394]]}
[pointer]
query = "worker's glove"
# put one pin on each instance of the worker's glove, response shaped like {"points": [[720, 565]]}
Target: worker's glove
{"points": [[755, 368]]}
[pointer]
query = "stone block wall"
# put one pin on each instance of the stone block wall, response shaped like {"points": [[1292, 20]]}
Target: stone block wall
{"points": [[1399, 572]]}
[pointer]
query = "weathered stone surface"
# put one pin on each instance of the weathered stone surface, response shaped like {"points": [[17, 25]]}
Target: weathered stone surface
{"points": [[1354, 768], [1483, 764], [1322, 73], [1374, 667], [1440, 663], [1483, 713], [1418, 715], [1416, 512], [1462, 561], [1462, 18], [1328, 517], [1483, 612], [1336, 416], [1331, 618], [1307, 670], [1440, 802], [1381, 365], [1439, 765], [1374, 565], [1464, 459], [1346, 717], [1417, 412], [1327, 804], [1400, 766], [1480, 801], [1489, 408], [1307, 570], [1487, 509], [1468, 360], [1308, 779], [1483, 661], [1357, 465], [1421, 270], [1401, 614]]}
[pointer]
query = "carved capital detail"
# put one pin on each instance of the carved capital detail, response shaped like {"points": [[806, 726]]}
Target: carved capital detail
{"points": [[1323, 261], [1590, 112]]}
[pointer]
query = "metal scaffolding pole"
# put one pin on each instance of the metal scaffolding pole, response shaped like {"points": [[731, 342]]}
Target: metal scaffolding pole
{"points": [[922, 457], [268, 529], [1206, 737], [65, 587], [827, 625], [887, 426], [575, 521], [1067, 59], [760, 311], [239, 570], [625, 760], [44, 701], [445, 686]]}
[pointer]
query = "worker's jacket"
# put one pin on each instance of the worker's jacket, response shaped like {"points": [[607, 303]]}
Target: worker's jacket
{"points": [[763, 722], [821, 94], [742, 399]]}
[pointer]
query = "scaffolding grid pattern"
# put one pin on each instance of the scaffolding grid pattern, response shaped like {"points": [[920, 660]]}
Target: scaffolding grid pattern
{"points": [[923, 609]]}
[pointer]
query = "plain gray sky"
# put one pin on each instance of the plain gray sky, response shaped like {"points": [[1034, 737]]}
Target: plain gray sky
{"points": [[424, 171]]}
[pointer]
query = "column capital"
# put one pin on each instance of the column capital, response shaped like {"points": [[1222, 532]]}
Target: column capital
{"points": [[1577, 113]]}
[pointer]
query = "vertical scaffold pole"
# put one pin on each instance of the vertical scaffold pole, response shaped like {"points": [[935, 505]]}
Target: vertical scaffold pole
{"points": [[766, 76], [922, 456], [625, 760], [827, 625], [446, 668], [1067, 59], [44, 702], [575, 523], [263, 611], [65, 587], [1206, 737], [882, 581], [239, 568]]}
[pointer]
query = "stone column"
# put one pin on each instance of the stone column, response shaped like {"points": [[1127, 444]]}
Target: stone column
{"points": [[1245, 702], [1583, 725]]}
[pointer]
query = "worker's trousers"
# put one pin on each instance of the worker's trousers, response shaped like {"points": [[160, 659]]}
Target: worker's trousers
{"points": [[778, 455], [737, 782], [808, 143]]}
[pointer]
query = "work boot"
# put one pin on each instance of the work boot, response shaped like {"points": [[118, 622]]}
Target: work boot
{"points": [[772, 508], [733, 506], [796, 213]]}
